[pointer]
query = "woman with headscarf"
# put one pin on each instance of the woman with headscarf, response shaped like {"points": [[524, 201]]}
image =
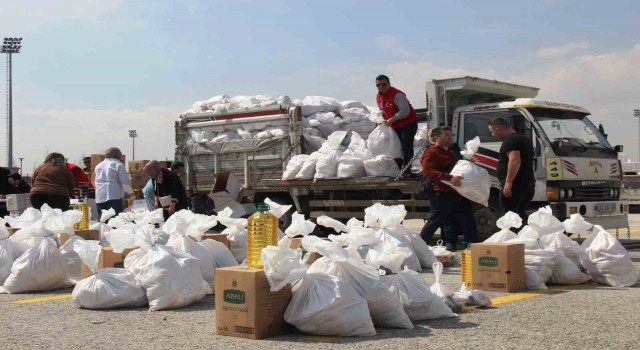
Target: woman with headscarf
{"points": [[111, 176], [52, 183], [165, 183]]}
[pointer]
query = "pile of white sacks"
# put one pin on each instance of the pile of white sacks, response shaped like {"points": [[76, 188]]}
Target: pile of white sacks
{"points": [[170, 267], [553, 258], [347, 132], [367, 276]]}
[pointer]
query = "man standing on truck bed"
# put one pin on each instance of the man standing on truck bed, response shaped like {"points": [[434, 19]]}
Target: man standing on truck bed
{"points": [[515, 168], [448, 208], [399, 115]]}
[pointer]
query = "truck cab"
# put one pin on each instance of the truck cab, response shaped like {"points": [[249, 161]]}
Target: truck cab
{"points": [[576, 169]]}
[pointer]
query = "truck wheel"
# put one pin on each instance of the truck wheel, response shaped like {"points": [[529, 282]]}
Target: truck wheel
{"points": [[486, 218]]}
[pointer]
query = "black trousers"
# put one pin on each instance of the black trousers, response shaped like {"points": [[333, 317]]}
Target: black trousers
{"points": [[450, 212], [406, 134], [521, 196], [54, 201]]}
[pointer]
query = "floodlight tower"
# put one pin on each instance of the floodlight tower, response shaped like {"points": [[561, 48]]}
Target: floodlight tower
{"points": [[10, 46]]}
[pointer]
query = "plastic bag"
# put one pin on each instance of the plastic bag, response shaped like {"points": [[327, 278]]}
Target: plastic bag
{"points": [[505, 223], [41, 268], [381, 165], [473, 297], [383, 140], [389, 235], [327, 305], [544, 222], [386, 310], [293, 166], [416, 297], [419, 246], [282, 266], [186, 222], [444, 256], [327, 165], [105, 215], [443, 292], [109, 289], [475, 184], [560, 242], [607, 261], [89, 252], [221, 255], [171, 278], [122, 238], [538, 267], [387, 255], [64, 222], [10, 250], [73, 263], [299, 226], [237, 236], [576, 224], [191, 247], [566, 271]]}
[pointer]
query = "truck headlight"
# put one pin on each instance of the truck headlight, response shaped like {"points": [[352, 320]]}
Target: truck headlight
{"points": [[570, 193], [612, 193]]}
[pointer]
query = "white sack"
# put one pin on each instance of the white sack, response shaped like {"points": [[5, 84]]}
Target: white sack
{"points": [[41, 268], [386, 311], [207, 265], [10, 250], [293, 166], [416, 297], [312, 143], [326, 305], [327, 165], [350, 167], [381, 165], [504, 223], [538, 267], [308, 169], [607, 261], [384, 140], [475, 184], [419, 246], [566, 271], [443, 292], [544, 222], [560, 242], [354, 114], [352, 104], [110, 288], [219, 252], [364, 126]]}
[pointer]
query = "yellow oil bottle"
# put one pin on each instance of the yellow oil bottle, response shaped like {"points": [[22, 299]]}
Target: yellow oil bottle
{"points": [[466, 265], [84, 209], [263, 232]]}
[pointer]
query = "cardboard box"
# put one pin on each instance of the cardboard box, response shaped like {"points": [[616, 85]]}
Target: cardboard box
{"points": [[222, 238], [97, 158], [245, 307], [226, 193], [93, 235], [107, 258], [18, 202], [138, 180], [137, 165], [164, 164], [498, 267]]}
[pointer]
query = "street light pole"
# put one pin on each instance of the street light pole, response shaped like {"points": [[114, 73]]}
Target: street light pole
{"points": [[21, 165], [133, 134], [10, 46], [636, 113]]}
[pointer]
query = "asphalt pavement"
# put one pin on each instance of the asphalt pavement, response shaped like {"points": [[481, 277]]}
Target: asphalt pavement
{"points": [[588, 316]]}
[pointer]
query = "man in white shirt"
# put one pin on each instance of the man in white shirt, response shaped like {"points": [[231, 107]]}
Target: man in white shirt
{"points": [[111, 176]]}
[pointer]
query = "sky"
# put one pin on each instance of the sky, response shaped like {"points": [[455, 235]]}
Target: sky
{"points": [[91, 70]]}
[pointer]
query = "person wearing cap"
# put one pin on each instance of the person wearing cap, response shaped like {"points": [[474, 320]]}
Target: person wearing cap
{"points": [[165, 183], [17, 185], [399, 115], [111, 176]]}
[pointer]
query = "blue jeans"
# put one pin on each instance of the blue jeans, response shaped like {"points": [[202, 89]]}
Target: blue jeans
{"points": [[406, 134], [450, 212], [116, 204], [149, 196]]}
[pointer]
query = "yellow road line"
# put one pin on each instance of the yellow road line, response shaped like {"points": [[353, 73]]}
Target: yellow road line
{"points": [[534, 293], [320, 338], [39, 300]]}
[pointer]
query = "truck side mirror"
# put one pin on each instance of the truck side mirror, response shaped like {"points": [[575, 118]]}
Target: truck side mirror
{"points": [[618, 148]]}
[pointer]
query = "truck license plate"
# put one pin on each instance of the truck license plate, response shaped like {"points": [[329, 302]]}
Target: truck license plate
{"points": [[605, 207]]}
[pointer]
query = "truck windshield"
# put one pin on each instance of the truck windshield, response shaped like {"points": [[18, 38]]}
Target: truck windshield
{"points": [[571, 132]]}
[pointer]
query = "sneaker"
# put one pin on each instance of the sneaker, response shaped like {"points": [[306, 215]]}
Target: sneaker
{"points": [[451, 247]]}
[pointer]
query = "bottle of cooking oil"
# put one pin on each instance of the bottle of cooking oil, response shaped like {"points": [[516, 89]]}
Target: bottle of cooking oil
{"points": [[263, 231], [466, 265], [84, 209]]}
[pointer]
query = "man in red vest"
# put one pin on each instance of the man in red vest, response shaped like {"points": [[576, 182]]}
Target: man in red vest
{"points": [[399, 115]]}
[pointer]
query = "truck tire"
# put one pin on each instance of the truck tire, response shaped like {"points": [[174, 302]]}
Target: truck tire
{"points": [[486, 218]]}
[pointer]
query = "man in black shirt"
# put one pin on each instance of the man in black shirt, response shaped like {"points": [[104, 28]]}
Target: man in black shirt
{"points": [[515, 168]]}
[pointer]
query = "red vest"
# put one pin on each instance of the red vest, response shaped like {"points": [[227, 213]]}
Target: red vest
{"points": [[389, 108]]}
